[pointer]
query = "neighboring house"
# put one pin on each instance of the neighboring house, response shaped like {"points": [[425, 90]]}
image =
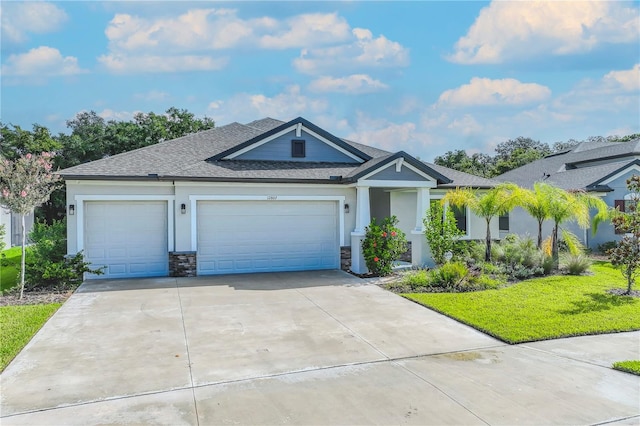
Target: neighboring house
{"points": [[600, 168], [257, 197], [13, 227]]}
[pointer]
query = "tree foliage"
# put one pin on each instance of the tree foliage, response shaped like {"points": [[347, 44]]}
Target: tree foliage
{"points": [[626, 254], [441, 232], [26, 183], [487, 205]]}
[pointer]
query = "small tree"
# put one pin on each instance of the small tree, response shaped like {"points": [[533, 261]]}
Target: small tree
{"points": [[26, 183], [626, 254], [382, 245], [441, 232]]}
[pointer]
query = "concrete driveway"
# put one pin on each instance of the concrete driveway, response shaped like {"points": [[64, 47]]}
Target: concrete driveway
{"points": [[299, 348]]}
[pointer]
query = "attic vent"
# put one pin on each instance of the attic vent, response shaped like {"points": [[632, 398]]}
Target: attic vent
{"points": [[298, 148]]}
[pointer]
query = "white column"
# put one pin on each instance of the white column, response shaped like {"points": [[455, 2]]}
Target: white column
{"points": [[422, 204], [363, 218], [363, 209], [420, 251]]}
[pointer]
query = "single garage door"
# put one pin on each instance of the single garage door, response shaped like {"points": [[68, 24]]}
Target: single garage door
{"points": [[128, 237], [267, 236]]}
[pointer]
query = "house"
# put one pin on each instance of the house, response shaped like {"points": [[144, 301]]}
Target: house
{"points": [[264, 196], [13, 227], [600, 168]]}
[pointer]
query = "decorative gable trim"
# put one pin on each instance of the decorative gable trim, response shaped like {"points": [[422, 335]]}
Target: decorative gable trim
{"points": [[298, 125], [399, 160], [602, 182]]}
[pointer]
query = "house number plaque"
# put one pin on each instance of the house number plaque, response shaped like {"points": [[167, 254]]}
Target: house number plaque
{"points": [[272, 197]]}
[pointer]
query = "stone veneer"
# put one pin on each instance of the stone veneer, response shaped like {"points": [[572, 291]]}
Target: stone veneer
{"points": [[183, 264]]}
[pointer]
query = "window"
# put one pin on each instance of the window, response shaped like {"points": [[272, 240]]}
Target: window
{"points": [[298, 148], [460, 213], [503, 222]]}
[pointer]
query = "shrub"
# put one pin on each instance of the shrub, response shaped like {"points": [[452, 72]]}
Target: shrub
{"points": [[2, 234], [382, 245], [47, 266], [442, 233], [474, 252], [577, 265], [485, 282], [519, 258], [449, 275], [416, 279]]}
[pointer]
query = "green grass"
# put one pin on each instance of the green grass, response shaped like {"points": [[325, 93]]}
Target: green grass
{"points": [[632, 367], [18, 324], [543, 308], [9, 268]]}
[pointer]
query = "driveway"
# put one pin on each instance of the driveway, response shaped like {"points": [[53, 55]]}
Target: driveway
{"points": [[299, 348]]}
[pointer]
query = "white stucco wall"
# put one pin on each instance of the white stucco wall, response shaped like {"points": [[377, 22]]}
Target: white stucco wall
{"points": [[403, 206], [5, 219], [181, 191]]}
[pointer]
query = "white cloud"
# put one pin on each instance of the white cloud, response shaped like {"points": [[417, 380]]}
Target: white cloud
{"points": [[18, 19], [286, 105], [124, 64], [109, 114], [40, 62], [364, 51], [484, 91], [511, 30], [308, 29], [352, 84], [627, 79]]}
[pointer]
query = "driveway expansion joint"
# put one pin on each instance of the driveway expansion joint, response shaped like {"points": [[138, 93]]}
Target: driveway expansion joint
{"points": [[186, 344]]}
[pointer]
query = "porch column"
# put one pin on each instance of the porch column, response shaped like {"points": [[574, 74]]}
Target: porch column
{"points": [[420, 252], [363, 218]]}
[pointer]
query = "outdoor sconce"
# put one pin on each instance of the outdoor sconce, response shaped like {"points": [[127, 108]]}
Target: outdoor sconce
{"points": [[72, 209], [346, 208], [183, 208]]}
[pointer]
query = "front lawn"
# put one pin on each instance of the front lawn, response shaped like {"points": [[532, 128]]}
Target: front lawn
{"points": [[9, 268], [543, 308], [18, 324], [632, 367]]}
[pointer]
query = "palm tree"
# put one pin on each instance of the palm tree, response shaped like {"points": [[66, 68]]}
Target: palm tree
{"points": [[534, 202], [564, 206], [487, 205]]}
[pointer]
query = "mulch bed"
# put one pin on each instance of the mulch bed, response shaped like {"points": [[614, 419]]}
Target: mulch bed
{"points": [[623, 292], [34, 297]]}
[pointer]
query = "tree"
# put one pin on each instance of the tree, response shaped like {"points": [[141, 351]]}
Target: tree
{"points": [[26, 183], [441, 232], [494, 202], [477, 164], [534, 202], [564, 206], [15, 141], [626, 254], [517, 152]]}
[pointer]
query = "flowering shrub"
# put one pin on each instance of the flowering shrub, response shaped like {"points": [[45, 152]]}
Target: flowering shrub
{"points": [[382, 245]]}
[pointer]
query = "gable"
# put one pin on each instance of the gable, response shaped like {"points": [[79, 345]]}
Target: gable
{"points": [[280, 153], [392, 173], [280, 149]]}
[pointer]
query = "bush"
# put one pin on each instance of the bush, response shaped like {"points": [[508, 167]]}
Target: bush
{"points": [[442, 233], [47, 265], [449, 276], [382, 245], [519, 258], [417, 279], [474, 252], [2, 234], [577, 265]]}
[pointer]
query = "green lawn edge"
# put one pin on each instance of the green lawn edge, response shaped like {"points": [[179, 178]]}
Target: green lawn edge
{"points": [[10, 268], [543, 308], [630, 366], [18, 325]]}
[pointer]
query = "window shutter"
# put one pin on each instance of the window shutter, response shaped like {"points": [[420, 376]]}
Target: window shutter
{"points": [[619, 205]]}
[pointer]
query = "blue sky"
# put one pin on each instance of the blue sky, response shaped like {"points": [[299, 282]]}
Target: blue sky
{"points": [[423, 77]]}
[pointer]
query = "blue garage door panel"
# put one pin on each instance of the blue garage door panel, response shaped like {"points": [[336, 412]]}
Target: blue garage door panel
{"points": [[128, 237], [267, 236]]}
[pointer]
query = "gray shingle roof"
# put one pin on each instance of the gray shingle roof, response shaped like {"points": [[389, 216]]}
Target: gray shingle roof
{"points": [[560, 169], [185, 159]]}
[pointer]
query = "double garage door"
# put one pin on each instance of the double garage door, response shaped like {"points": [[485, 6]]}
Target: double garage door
{"points": [[129, 238], [266, 236]]}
